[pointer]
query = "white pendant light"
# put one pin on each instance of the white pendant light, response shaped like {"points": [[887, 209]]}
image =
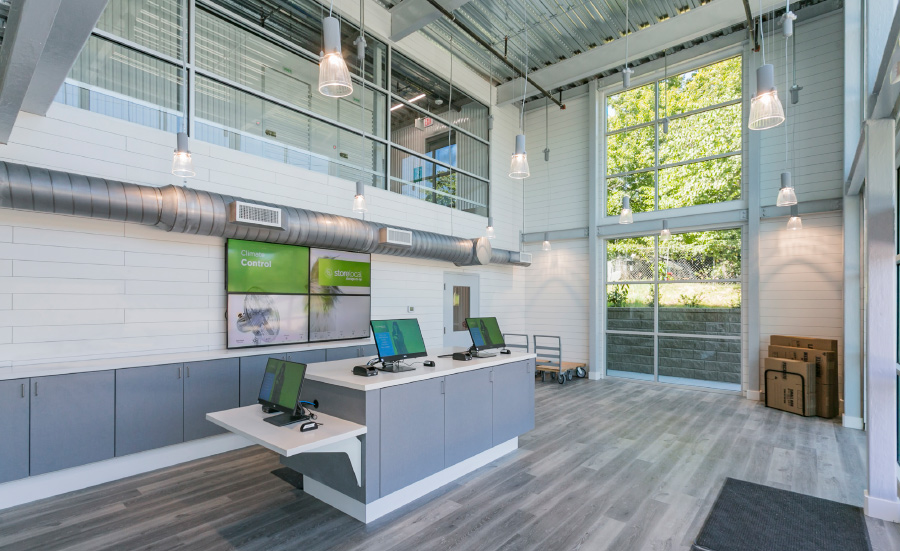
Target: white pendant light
{"points": [[626, 216], [359, 202], [182, 165], [627, 71], [665, 234], [794, 222], [334, 77], [489, 230], [546, 245], [518, 166], [765, 107], [786, 195]]}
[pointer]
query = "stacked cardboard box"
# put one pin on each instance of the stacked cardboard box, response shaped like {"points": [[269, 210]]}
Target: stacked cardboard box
{"points": [[802, 367]]}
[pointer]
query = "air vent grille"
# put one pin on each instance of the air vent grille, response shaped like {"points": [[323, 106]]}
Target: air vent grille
{"points": [[395, 237], [525, 258], [249, 214]]}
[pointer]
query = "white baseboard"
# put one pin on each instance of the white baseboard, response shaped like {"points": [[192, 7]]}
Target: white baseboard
{"points": [[369, 512], [883, 509], [852, 422], [33, 488], [595, 375], [755, 395]]}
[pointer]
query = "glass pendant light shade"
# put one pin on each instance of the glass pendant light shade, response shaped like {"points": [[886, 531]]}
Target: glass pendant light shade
{"points": [[794, 223], [518, 166], [766, 110], [359, 202], [546, 244], [334, 77], [626, 217], [626, 77], [489, 230], [665, 234], [182, 165], [786, 195]]}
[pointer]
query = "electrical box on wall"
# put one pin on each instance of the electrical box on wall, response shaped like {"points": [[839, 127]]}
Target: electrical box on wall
{"points": [[410, 309]]}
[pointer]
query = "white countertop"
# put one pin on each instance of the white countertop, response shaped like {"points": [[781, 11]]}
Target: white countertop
{"points": [[287, 441], [340, 372]]}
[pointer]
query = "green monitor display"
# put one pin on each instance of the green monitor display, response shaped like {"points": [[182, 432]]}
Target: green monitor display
{"points": [[268, 268], [398, 339], [485, 333], [281, 385]]}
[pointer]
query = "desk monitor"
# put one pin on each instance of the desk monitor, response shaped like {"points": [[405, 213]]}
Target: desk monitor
{"points": [[398, 339], [485, 333], [280, 391]]}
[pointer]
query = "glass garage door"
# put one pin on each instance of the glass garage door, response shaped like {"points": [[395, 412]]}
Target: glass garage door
{"points": [[673, 308]]}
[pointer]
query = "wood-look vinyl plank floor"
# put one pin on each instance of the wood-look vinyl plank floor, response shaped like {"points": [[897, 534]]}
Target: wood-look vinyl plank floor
{"points": [[611, 465]]}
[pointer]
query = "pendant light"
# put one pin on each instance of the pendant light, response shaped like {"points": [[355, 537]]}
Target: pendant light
{"points": [[627, 71], [626, 216], [359, 202], [518, 165], [182, 165], [665, 234], [765, 107], [334, 77], [546, 245], [489, 230], [794, 222], [786, 194]]}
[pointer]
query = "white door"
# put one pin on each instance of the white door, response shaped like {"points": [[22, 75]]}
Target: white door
{"points": [[461, 298]]}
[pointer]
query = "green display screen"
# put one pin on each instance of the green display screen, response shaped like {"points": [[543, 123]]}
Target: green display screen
{"points": [[397, 339], [344, 273], [485, 332], [281, 384], [270, 268]]}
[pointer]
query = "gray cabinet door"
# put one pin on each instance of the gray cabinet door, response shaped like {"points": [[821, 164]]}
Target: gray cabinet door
{"points": [[72, 420], [513, 400], [14, 398], [149, 407], [307, 356], [252, 370], [209, 386], [412, 433], [332, 354], [468, 415], [368, 350]]}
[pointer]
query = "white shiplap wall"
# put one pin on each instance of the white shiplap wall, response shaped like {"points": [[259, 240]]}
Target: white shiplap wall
{"points": [[801, 280], [74, 288]]}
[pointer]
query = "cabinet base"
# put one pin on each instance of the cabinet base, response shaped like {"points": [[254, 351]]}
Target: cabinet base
{"points": [[368, 512]]}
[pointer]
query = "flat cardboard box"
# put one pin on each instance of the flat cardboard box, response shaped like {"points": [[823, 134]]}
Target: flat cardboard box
{"points": [[790, 386], [804, 342], [827, 401], [825, 360]]}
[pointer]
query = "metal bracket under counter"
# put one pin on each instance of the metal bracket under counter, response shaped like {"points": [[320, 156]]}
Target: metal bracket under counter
{"points": [[335, 435]]}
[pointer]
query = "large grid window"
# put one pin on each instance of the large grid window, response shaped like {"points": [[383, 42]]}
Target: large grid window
{"points": [[673, 308], [252, 87], [697, 161]]}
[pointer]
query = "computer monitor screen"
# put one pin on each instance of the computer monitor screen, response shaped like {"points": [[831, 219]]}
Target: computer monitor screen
{"points": [[398, 339], [485, 333], [281, 385]]}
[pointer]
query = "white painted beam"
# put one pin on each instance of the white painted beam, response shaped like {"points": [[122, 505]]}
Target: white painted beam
{"points": [[711, 17], [27, 29], [410, 16], [70, 31]]}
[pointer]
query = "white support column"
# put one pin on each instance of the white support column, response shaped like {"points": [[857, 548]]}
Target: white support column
{"points": [[594, 182], [881, 323], [753, 391]]}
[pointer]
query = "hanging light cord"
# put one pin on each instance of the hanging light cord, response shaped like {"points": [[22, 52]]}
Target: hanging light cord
{"points": [[787, 104], [525, 83], [331, 9], [762, 37], [626, 34], [666, 80]]}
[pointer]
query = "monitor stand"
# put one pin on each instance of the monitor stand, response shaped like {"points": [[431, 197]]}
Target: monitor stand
{"points": [[288, 418], [395, 367], [482, 353]]}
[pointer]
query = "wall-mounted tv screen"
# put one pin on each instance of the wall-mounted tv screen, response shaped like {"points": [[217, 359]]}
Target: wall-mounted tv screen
{"points": [[285, 294]]}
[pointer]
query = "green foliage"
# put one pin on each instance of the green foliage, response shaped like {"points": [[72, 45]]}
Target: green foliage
{"points": [[697, 136], [691, 300], [617, 296]]}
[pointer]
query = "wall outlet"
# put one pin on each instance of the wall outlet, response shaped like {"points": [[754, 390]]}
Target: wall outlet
{"points": [[410, 309]]}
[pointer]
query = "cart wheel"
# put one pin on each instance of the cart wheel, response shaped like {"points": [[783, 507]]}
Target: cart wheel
{"points": [[569, 374], [580, 372], [561, 377]]}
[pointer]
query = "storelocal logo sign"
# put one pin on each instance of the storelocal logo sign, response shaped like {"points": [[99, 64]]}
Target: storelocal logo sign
{"points": [[343, 273]]}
